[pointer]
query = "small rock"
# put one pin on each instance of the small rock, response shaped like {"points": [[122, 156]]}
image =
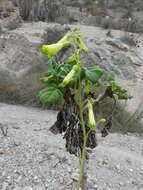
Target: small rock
{"points": [[1, 151], [95, 187], [105, 162], [36, 179], [16, 127], [75, 176], [3, 173], [67, 180], [130, 169], [27, 188], [4, 186], [17, 188], [118, 167], [69, 162], [69, 169], [121, 184], [61, 180], [18, 179]]}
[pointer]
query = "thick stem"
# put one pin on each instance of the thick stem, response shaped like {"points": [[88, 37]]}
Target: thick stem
{"points": [[82, 175], [84, 180], [82, 160]]}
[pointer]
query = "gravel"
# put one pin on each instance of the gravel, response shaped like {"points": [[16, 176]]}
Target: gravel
{"points": [[32, 158]]}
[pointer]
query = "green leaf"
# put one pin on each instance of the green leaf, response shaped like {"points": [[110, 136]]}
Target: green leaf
{"points": [[51, 95], [111, 76], [64, 70], [93, 73], [47, 74], [117, 89], [52, 64]]}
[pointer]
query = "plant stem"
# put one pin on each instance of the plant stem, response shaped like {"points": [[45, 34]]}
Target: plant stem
{"points": [[82, 159]]}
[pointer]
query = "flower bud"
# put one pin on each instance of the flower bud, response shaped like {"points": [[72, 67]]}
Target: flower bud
{"points": [[70, 75], [91, 118], [82, 45], [87, 87], [66, 37], [51, 50], [68, 78], [102, 120]]}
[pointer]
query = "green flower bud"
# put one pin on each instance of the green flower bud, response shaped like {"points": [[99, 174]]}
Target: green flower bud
{"points": [[91, 118], [87, 87], [82, 45], [66, 38], [102, 120], [68, 78], [51, 50], [70, 75], [76, 67]]}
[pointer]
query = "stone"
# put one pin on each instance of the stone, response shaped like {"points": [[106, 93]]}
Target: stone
{"points": [[4, 186], [1, 151], [118, 167], [27, 188], [22, 63], [17, 188], [95, 187], [69, 169], [118, 44], [75, 176]]}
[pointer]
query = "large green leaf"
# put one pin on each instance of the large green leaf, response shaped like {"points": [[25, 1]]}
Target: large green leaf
{"points": [[93, 73], [51, 95]]}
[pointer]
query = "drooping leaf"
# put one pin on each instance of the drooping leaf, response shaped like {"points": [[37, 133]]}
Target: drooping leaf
{"points": [[93, 73], [118, 90], [51, 95]]}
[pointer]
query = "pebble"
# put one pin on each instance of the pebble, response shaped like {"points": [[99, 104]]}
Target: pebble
{"points": [[95, 187], [18, 179], [61, 180], [4, 186], [75, 176], [1, 151], [36, 179], [105, 162], [131, 170], [69, 169], [68, 180], [69, 161], [16, 127], [121, 184], [27, 188], [118, 167], [17, 188]]}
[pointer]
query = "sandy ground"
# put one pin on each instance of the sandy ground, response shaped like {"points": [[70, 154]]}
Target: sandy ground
{"points": [[32, 158]]}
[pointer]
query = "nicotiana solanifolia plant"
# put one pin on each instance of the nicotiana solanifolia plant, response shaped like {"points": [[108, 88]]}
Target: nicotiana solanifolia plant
{"points": [[74, 85]]}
